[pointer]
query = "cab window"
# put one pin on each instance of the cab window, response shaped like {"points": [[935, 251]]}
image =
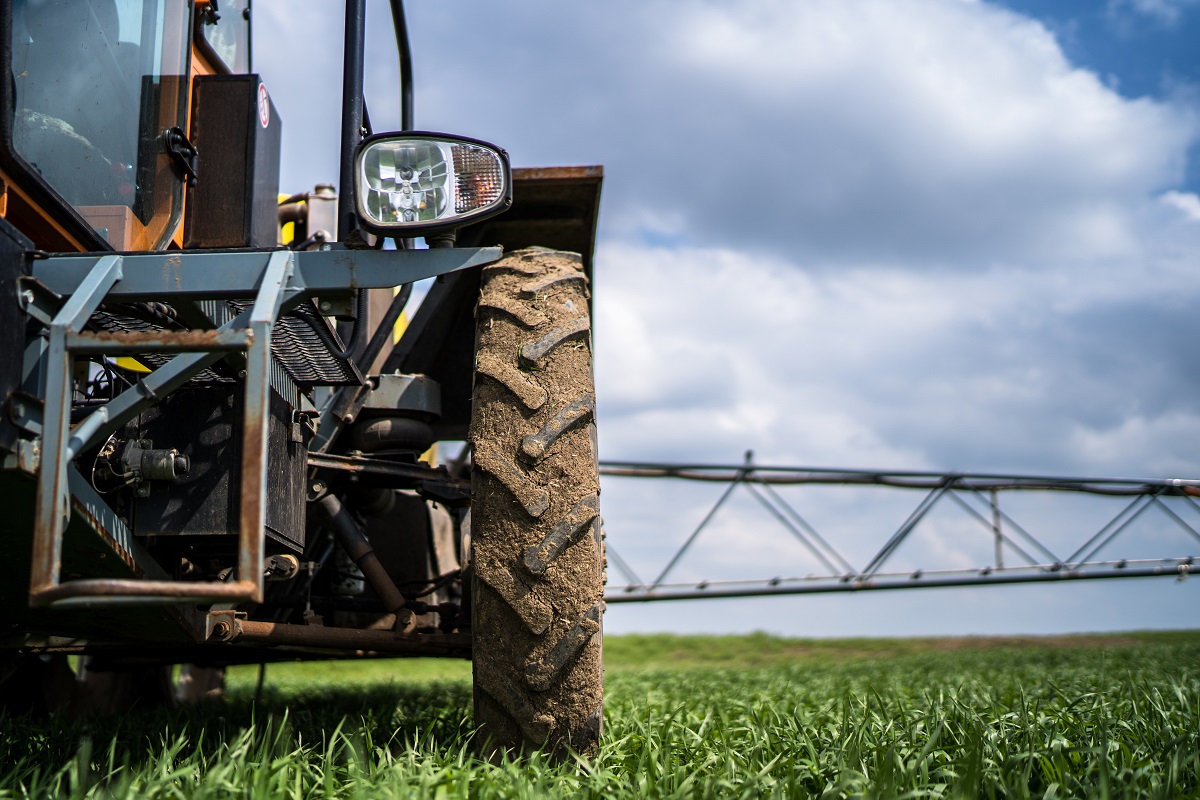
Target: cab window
{"points": [[224, 32], [97, 84]]}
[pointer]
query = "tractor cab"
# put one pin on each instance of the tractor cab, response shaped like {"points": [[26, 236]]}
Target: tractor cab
{"points": [[94, 132]]}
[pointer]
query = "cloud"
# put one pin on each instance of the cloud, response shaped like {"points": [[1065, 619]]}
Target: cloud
{"points": [[880, 366], [933, 131], [1165, 12], [1186, 202], [876, 233]]}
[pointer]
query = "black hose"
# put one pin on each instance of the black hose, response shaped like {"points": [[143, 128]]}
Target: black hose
{"points": [[400, 26], [337, 519], [359, 331]]}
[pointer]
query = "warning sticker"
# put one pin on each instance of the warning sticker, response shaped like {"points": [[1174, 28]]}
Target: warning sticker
{"points": [[264, 106]]}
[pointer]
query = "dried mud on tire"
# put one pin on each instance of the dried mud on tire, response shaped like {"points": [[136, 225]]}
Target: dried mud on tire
{"points": [[538, 554]]}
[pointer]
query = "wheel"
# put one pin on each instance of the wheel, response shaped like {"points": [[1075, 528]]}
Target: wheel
{"points": [[106, 689], [37, 685], [537, 560]]}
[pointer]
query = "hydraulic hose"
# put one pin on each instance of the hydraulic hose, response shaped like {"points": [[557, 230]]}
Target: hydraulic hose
{"points": [[355, 542]]}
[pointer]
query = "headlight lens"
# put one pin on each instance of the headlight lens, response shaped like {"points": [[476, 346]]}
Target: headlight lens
{"points": [[415, 182]]}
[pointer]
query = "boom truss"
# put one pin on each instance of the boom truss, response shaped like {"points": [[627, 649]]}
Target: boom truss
{"points": [[979, 496]]}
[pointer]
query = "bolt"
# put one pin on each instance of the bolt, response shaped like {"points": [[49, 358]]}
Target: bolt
{"points": [[318, 487], [325, 305], [27, 297], [326, 247], [220, 629]]}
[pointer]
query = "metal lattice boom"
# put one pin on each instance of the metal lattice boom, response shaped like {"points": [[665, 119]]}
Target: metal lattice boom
{"points": [[978, 495]]}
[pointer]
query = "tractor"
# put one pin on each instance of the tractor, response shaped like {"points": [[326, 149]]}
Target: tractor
{"points": [[223, 438]]}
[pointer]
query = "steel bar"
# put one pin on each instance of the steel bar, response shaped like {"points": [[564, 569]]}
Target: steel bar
{"points": [[787, 523], [1180, 520], [400, 27], [109, 343], [898, 479], [252, 512], [997, 531], [53, 509], [994, 527], [1012, 523], [352, 112], [1080, 566], [1116, 532], [889, 547], [1125, 516], [317, 636], [91, 291], [236, 275], [114, 591], [618, 595], [704, 522], [803, 523], [252, 498], [622, 564], [1171, 564]]}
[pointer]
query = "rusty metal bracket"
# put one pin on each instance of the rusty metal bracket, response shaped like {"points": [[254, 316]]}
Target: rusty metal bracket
{"points": [[60, 443], [66, 291], [223, 625]]}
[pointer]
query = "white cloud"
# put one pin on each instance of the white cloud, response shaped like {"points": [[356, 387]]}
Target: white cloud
{"points": [[878, 233], [1187, 202], [1165, 12], [879, 366], [1138, 439], [928, 130]]}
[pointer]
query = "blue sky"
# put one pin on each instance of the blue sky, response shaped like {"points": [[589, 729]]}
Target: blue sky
{"points": [[1147, 47], [904, 234], [1139, 47]]}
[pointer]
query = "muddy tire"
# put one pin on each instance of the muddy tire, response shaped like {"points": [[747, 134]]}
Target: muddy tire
{"points": [[537, 550]]}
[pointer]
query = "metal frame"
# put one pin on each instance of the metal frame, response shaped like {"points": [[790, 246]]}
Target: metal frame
{"points": [[278, 280], [977, 494], [353, 113]]}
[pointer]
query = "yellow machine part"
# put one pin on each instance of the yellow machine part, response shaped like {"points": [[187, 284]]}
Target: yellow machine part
{"points": [[131, 364], [287, 232]]}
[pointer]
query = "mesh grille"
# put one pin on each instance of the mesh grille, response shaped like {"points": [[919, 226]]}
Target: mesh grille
{"points": [[297, 345]]}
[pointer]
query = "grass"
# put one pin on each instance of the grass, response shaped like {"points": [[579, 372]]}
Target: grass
{"points": [[686, 717]]}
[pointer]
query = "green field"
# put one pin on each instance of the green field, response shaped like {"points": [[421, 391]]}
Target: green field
{"points": [[686, 717]]}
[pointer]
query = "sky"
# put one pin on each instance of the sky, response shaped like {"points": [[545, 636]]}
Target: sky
{"points": [[895, 234]]}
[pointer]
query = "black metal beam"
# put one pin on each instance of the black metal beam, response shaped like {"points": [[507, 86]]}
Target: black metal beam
{"points": [[400, 25], [618, 594], [352, 112], [724, 473], [1077, 567]]}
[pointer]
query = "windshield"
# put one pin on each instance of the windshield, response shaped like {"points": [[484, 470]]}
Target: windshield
{"points": [[97, 82]]}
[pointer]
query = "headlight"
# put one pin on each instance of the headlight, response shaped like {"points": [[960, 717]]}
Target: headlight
{"points": [[411, 183]]}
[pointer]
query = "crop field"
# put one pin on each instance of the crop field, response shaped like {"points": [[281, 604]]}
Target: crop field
{"points": [[721, 717]]}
